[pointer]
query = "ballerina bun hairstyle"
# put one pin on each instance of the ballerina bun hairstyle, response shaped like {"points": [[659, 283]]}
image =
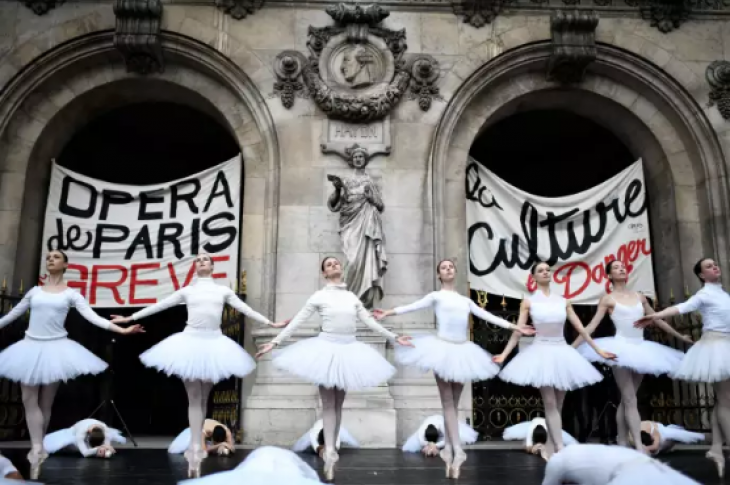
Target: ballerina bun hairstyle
{"points": [[646, 439], [698, 269], [534, 267], [539, 435], [95, 437], [431, 434], [63, 255]]}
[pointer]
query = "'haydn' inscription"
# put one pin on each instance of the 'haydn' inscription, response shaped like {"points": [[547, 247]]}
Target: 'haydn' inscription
{"points": [[337, 136], [348, 132]]}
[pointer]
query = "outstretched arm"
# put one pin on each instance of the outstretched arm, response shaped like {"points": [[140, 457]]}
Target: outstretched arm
{"points": [[578, 325], [175, 299], [309, 308], [596, 320], [83, 446], [364, 316], [515, 338], [233, 300], [663, 325], [18, 310], [488, 317]]}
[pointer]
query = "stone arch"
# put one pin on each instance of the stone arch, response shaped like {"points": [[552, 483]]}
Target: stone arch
{"points": [[53, 96], [649, 111]]}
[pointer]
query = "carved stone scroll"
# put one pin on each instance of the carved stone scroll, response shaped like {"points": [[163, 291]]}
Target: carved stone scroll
{"points": [[137, 35], [479, 13], [718, 76], [239, 9], [41, 7], [574, 45]]}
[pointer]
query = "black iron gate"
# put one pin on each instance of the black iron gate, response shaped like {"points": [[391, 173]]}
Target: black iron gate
{"points": [[12, 414]]}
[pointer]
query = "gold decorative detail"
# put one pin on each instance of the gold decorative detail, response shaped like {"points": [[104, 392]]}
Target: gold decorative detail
{"points": [[5, 284], [686, 291], [482, 298], [244, 283], [21, 287], [504, 303]]}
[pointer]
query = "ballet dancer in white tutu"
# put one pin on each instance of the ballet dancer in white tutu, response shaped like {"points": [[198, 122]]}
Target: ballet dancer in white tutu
{"points": [[314, 439], [550, 364], [430, 438], [46, 356], [200, 355], [584, 464], [637, 356], [709, 359], [657, 438], [90, 437], [535, 435], [267, 465], [334, 360], [449, 354], [216, 438]]}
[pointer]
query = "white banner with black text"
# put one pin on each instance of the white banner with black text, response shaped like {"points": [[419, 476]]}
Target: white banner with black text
{"points": [[132, 245], [509, 229]]}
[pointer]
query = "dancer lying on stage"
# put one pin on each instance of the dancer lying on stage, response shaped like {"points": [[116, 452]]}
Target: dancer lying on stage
{"points": [[8, 470], [46, 356], [535, 435], [200, 355], [314, 439], [216, 438], [657, 438], [90, 437], [583, 464], [334, 360], [267, 465], [430, 438], [453, 359], [549, 363], [708, 360], [638, 356]]}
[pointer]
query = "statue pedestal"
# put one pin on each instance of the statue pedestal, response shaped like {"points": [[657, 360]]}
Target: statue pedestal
{"points": [[281, 408]]}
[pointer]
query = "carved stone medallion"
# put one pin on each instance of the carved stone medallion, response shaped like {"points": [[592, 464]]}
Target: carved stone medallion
{"points": [[718, 76], [356, 70]]}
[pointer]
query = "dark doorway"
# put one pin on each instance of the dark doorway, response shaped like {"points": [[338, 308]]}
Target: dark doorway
{"points": [[550, 153], [137, 144]]}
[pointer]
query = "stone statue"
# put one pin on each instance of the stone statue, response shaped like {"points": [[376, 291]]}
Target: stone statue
{"points": [[355, 67], [360, 205]]}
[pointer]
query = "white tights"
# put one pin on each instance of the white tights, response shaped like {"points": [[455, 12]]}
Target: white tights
{"points": [[198, 392], [332, 401], [553, 401], [38, 403], [628, 419], [450, 393], [720, 416]]}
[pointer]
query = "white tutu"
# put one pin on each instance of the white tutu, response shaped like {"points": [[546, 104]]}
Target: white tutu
{"points": [[518, 432], [550, 363], [678, 434], [332, 360], [38, 362], [642, 356], [180, 443], [467, 435], [267, 465], [62, 438], [456, 362], [653, 472], [204, 355], [707, 360]]}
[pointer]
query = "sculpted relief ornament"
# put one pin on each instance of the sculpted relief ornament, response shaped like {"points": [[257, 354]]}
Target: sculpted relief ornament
{"points": [[357, 199], [356, 70]]}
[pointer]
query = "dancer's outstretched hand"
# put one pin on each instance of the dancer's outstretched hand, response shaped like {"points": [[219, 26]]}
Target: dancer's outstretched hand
{"points": [[499, 359], [117, 319], [688, 339], [405, 341], [133, 329], [607, 355], [379, 314], [281, 324], [527, 330], [644, 321], [264, 349]]}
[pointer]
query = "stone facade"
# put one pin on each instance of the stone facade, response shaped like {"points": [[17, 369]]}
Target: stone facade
{"points": [[61, 68]]}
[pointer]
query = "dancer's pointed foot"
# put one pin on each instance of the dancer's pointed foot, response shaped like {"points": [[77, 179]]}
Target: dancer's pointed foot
{"points": [[330, 458], [36, 457], [447, 455], [195, 459], [719, 458], [459, 459]]}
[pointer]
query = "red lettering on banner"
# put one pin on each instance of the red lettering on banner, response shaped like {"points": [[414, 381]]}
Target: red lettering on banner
{"points": [[112, 285], [173, 276], [220, 259], [83, 277], [567, 274], [133, 282]]}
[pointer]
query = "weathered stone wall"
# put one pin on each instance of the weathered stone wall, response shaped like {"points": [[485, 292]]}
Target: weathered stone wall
{"points": [[287, 226]]}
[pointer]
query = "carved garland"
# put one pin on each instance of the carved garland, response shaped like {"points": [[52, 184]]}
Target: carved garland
{"points": [[718, 76]]}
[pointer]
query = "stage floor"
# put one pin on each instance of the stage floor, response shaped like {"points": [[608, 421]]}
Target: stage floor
{"points": [[356, 467]]}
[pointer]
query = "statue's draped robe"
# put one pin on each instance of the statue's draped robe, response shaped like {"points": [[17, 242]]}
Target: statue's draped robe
{"points": [[363, 242]]}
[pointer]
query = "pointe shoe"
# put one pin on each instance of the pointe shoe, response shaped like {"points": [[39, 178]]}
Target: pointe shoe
{"points": [[459, 459], [36, 459], [195, 459], [330, 458], [719, 460], [448, 456]]}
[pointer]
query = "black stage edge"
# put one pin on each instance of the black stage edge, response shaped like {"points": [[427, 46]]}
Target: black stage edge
{"points": [[356, 467]]}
